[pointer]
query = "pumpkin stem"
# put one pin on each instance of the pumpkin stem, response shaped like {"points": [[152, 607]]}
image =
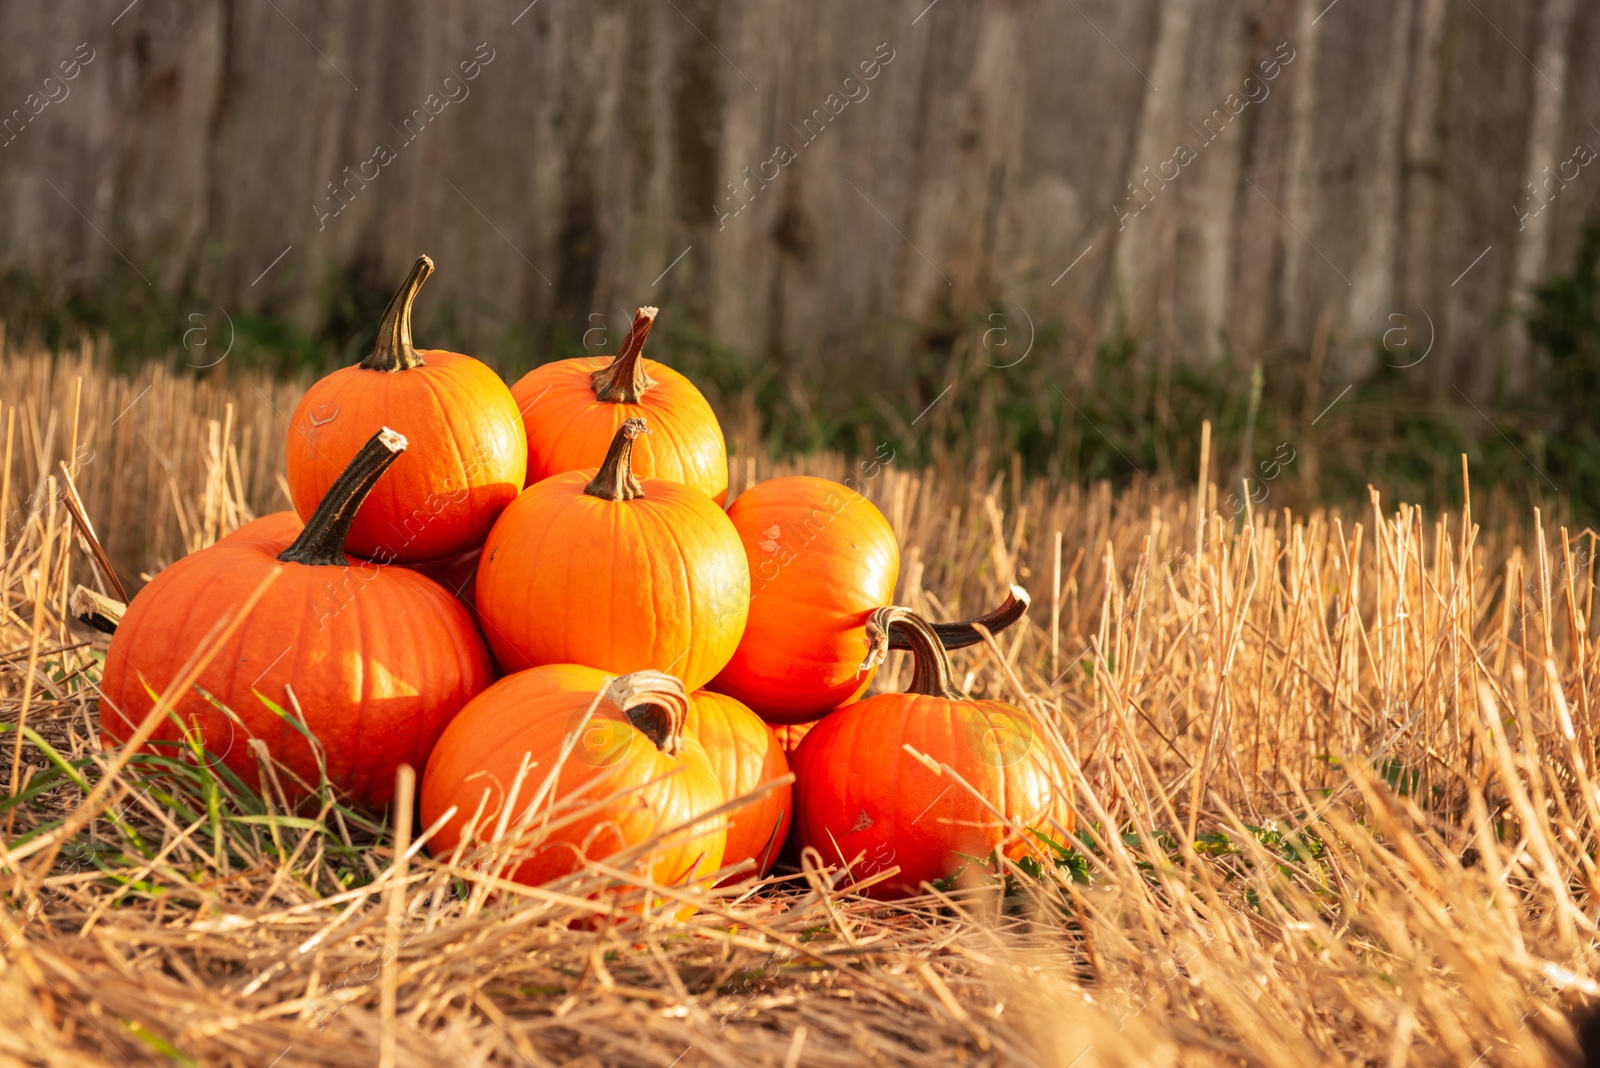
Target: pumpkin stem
{"points": [[962, 634], [614, 481], [624, 380], [654, 702], [931, 677], [393, 351], [322, 540]]}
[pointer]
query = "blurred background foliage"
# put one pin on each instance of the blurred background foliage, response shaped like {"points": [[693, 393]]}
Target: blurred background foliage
{"points": [[995, 386]]}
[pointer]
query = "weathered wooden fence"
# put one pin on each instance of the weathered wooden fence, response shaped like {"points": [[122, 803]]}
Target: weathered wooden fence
{"points": [[824, 180]]}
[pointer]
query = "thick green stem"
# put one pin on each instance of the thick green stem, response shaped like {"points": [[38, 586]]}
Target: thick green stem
{"points": [[393, 351], [322, 540], [614, 481], [961, 634], [623, 380], [931, 676], [656, 703]]}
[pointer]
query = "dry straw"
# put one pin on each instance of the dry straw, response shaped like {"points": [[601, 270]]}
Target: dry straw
{"points": [[1335, 775]]}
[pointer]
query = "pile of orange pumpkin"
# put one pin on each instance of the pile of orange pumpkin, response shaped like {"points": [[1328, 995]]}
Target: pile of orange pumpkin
{"points": [[536, 595]]}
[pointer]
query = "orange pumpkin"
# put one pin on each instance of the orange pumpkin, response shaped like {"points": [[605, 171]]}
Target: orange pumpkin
{"points": [[862, 800], [623, 753], [470, 459], [379, 658], [571, 410], [604, 569], [743, 751], [822, 559], [745, 754]]}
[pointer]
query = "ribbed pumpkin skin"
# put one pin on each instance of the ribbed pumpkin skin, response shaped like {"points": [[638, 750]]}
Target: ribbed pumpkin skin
{"points": [[745, 753], [657, 582], [859, 794], [467, 463], [790, 735], [821, 557], [379, 658], [274, 528], [481, 751], [568, 428]]}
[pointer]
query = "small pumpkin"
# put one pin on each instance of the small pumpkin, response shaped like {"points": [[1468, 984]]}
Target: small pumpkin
{"points": [[746, 754], [602, 568], [470, 459], [379, 658], [571, 410], [863, 800], [623, 752], [822, 558]]}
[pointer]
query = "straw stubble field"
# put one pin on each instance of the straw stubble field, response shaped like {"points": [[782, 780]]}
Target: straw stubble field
{"points": [[1335, 776]]}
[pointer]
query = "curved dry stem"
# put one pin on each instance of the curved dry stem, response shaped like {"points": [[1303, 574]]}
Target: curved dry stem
{"points": [[322, 540], [654, 702], [393, 351], [932, 676], [961, 634], [614, 481], [624, 380]]}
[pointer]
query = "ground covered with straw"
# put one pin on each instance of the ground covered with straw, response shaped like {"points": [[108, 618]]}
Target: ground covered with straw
{"points": [[1335, 775]]}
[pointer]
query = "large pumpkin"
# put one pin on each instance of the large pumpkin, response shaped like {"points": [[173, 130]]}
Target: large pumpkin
{"points": [[469, 459], [379, 658], [605, 569], [745, 754], [571, 410], [743, 751], [862, 799], [623, 754], [822, 559]]}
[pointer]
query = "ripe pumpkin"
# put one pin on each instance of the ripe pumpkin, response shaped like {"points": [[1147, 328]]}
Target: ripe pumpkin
{"points": [[863, 800], [571, 410], [604, 569], [746, 754], [379, 658], [470, 458], [743, 751], [626, 750], [822, 559]]}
